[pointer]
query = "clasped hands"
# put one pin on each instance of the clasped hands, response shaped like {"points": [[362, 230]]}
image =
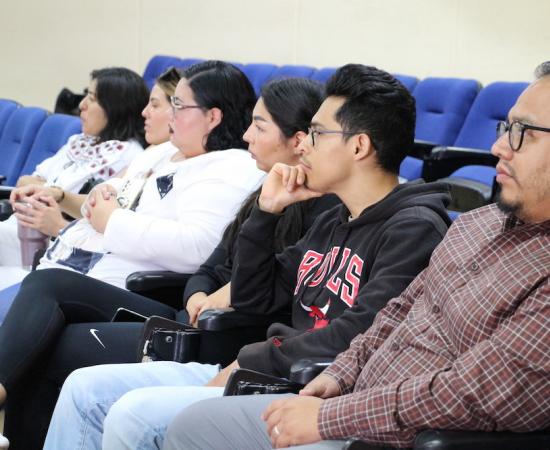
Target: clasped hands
{"points": [[99, 205], [35, 206]]}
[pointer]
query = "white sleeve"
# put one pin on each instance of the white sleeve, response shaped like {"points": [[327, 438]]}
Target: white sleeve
{"points": [[51, 166], [203, 211]]}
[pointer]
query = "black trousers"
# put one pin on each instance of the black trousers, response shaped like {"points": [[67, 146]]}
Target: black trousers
{"points": [[48, 333]]}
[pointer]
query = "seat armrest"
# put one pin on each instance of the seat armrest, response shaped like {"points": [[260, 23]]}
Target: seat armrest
{"points": [[5, 192], [154, 279], [471, 440], [443, 161], [5, 210], [255, 379], [480, 440], [162, 285], [467, 194], [228, 318], [306, 369], [357, 444], [422, 149]]}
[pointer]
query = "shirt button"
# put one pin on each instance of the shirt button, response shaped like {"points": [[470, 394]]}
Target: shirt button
{"points": [[395, 346], [436, 309], [474, 267]]}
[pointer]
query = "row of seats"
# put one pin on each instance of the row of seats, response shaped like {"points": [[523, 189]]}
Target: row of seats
{"points": [[28, 135], [258, 74]]}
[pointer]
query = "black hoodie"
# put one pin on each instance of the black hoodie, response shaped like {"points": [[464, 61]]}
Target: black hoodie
{"points": [[337, 277]]}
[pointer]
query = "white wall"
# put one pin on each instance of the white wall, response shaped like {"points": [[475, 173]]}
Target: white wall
{"points": [[50, 44]]}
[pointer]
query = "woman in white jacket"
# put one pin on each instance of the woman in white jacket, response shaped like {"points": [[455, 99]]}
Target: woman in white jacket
{"points": [[170, 209]]}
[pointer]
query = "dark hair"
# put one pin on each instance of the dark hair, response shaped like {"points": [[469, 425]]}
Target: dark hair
{"points": [[291, 102], [122, 94], [217, 84], [379, 105], [542, 70], [168, 80]]}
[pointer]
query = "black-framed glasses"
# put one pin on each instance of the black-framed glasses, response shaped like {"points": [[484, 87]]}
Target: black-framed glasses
{"points": [[515, 131], [178, 105], [313, 132]]}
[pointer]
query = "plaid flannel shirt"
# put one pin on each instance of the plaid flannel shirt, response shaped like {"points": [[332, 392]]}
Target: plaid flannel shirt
{"points": [[466, 345]]}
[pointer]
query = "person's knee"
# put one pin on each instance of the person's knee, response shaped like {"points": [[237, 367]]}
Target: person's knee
{"points": [[186, 427], [77, 383], [85, 385], [127, 416], [47, 283]]}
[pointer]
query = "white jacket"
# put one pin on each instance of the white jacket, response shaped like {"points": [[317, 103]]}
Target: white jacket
{"points": [[176, 231]]}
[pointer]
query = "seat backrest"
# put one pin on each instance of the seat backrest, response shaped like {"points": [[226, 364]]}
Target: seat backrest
{"points": [[290, 71], [258, 74], [157, 65], [185, 63], [408, 81], [442, 105], [17, 139], [53, 134], [7, 107], [411, 168], [491, 105], [322, 75]]}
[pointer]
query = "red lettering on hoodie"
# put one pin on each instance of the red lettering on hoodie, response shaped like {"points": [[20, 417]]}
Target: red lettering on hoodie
{"points": [[310, 260]]}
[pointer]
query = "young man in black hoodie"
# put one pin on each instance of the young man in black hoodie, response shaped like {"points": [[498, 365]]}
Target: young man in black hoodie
{"points": [[337, 277]]}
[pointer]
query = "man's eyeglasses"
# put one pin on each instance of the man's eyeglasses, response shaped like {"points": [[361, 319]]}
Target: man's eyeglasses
{"points": [[515, 131], [178, 105], [315, 133]]}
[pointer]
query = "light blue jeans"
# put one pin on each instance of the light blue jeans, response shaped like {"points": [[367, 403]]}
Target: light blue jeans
{"points": [[125, 406]]}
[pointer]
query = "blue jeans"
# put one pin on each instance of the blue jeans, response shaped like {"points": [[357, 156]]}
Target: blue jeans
{"points": [[125, 406]]}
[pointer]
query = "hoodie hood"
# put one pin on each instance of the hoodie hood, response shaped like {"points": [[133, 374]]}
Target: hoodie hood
{"points": [[435, 196]]}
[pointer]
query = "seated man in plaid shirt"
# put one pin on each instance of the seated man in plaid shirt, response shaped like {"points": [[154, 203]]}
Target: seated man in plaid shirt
{"points": [[464, 347]]}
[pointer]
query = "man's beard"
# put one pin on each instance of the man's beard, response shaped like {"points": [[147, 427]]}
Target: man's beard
{"points": [[508, 207]]}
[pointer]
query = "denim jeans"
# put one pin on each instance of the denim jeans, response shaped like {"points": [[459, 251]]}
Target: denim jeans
{"points": [[125, 406]]}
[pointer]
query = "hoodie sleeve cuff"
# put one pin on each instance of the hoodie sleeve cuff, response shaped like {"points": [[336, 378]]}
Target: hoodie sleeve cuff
{"points": [[256, 357]]}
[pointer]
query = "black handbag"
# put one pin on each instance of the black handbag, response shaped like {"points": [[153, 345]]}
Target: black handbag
{"points": [[167, 340]]}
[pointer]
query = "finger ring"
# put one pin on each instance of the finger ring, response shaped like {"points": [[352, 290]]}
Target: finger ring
{"points": [[276, 430]]}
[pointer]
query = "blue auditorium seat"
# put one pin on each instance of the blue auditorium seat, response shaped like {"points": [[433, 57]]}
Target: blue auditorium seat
{"points": [[322, 75], [7, 107], [408, 81], [291, 71], [258, 74], [239, 66], [491, 106], [17, 139], [157, 65], [52, 135], [468, 165], [442, 105], [184, 63]]}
